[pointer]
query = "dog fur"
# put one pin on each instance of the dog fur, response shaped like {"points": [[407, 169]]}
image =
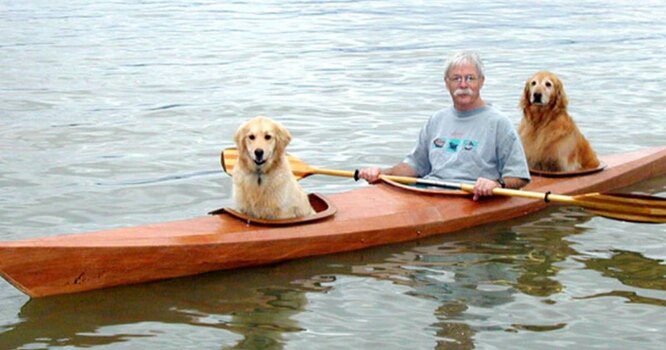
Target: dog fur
{"points": [[550, 137], [264, 186]]}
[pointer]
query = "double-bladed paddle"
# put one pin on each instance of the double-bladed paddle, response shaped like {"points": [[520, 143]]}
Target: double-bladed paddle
{"points": [[626, 207]]}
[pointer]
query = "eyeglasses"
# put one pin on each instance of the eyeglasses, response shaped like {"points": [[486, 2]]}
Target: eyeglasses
{"points": [[458, 79]]}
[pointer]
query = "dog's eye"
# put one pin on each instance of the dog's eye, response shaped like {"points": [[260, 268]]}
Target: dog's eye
{"points": [[251, 137], [267, 137], [533, 83], [548, 84]]}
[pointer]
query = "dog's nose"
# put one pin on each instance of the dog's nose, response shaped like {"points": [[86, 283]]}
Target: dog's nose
{"points": [[258, 154], [537, 97]]}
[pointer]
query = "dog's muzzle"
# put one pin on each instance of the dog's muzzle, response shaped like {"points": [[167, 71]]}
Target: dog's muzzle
{"points": [[259, 156], [536, 98]]}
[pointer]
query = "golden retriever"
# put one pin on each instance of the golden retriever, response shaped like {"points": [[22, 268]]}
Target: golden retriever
{"points": [[264, 186], [550, 137]]}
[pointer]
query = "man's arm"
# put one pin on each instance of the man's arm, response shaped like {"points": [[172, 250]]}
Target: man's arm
{"points": [[514, 182]]}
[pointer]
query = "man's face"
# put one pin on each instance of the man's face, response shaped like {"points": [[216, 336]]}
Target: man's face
{"points": [[464, 84]]}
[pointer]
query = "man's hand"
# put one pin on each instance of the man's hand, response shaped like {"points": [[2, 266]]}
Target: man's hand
{"points": [[484, 187], [370, 174]]}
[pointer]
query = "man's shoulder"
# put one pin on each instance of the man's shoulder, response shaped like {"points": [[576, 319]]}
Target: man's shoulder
{"points": [[446, 111], [493, 113], [441, 115]]}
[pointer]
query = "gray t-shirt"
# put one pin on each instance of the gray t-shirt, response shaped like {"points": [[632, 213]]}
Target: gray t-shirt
{"points": [[463, 146]]}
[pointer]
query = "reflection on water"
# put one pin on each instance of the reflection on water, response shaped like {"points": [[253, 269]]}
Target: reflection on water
{"points": [[545, 239], [246, 309], [632, 269], [483, 271]]}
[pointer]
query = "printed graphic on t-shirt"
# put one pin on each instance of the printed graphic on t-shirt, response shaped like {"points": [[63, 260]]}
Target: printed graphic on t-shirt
{"points": [[470, 144], [453, 145]]}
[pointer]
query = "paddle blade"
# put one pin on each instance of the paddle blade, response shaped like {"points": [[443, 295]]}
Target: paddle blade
{"points": [[299, 168], [643, 219], [627, 198], [229, 159], [626, 207]]}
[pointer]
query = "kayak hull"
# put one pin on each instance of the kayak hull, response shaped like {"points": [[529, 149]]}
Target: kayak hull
{"points": [[366, 217]]}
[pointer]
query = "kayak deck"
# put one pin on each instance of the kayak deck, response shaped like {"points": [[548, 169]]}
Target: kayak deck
{"points": [[365, 217]]}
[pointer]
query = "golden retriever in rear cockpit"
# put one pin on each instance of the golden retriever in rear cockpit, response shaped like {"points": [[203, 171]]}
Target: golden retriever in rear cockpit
{"points": [[550, 137], [264, 186]]}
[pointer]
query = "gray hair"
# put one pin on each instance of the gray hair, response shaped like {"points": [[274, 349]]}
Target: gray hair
{"points": [[464, 57]]}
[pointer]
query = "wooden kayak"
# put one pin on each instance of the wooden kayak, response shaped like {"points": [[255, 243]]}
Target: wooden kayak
{"points": [[365, 217]]}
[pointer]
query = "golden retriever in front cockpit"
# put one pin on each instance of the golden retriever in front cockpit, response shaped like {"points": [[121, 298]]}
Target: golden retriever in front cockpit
{"points": [[263, 184], [550, 137]]}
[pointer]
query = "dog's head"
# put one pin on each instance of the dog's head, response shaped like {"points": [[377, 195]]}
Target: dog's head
{"points": [[544, 90], [261, 143]]}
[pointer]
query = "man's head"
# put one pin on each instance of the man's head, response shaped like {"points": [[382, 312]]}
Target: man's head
{"points": [[464, 78]]}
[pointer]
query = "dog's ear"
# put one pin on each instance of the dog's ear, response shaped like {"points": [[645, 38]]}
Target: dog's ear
{"points": [[525, 98], [561, 100], [238, 136], [282, 135]]}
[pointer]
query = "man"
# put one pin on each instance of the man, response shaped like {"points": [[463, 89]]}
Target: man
{"points": [[469, 142]]}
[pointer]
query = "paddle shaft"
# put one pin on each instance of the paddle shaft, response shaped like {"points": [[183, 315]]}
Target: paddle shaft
{"points": [[331, 172], [400, 179]]}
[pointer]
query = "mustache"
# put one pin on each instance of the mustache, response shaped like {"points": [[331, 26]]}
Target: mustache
{"points": [[459, 92]]}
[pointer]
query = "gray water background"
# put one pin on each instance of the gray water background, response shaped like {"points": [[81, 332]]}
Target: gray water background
{"points": [[113, 114]]}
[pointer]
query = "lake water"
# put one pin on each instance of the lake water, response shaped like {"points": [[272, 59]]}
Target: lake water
{"points": [[113, 114]]}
